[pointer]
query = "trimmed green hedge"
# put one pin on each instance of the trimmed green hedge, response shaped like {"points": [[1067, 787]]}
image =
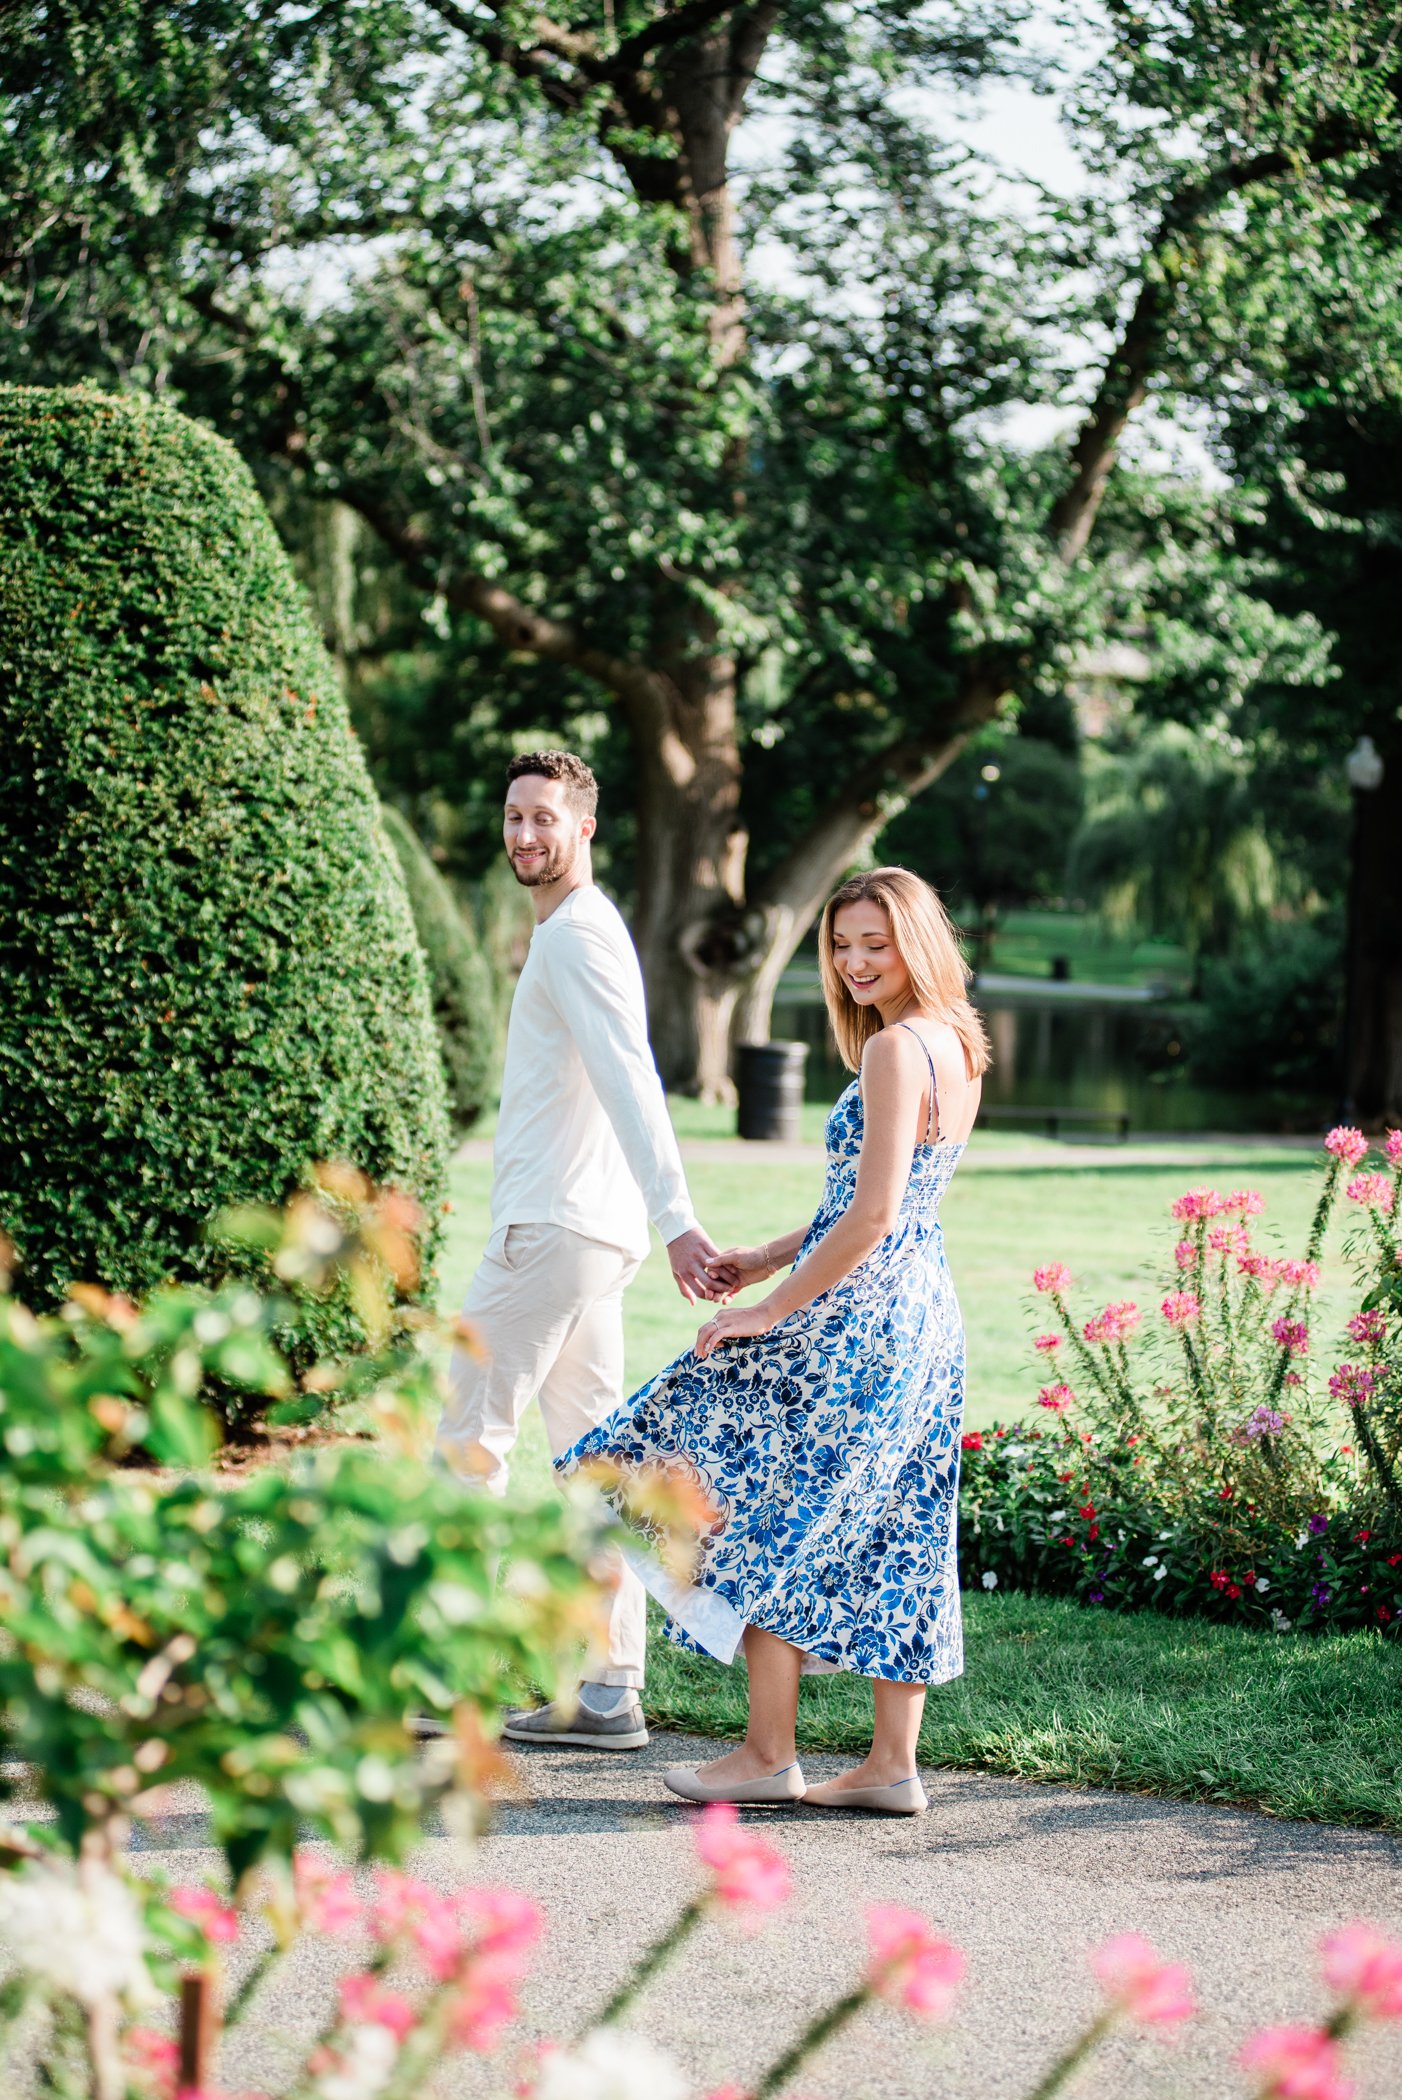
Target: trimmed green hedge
{"points": [[209, 977], [459, 977]]}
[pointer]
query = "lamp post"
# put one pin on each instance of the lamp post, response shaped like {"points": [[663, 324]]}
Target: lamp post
{"points": [[1363, 769], [983, 930]]}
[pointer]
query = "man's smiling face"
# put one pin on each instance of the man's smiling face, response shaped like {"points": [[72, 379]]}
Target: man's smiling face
{"points": [[541, 832]]}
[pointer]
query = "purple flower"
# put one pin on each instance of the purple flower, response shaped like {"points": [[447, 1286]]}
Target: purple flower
{"points": [[1097, 1596], [1320, 1593], [1318, 1523]]}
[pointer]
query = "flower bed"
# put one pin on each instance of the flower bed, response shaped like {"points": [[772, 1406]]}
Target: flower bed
{"points": [[1204, 1460]]}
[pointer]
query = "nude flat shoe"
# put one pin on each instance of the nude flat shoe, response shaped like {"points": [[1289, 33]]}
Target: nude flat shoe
{"points": [[905, 1797], [782, 1786]]}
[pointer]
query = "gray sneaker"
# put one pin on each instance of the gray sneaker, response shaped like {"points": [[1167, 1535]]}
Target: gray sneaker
{"points": [[624, 1730]]}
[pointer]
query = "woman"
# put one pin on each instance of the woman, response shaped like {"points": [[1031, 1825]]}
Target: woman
{"points": [[822, 1424]]}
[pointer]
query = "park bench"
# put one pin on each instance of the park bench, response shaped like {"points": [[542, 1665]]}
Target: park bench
{"points": [[1053, 1118]]}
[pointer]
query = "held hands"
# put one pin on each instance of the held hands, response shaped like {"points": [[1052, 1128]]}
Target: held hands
{"points": [[738, 1267], [691, 1254], [734, 1323]]}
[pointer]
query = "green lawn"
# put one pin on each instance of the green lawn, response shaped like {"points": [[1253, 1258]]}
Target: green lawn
{"points": [[1054, 1691], [1026, 941], [1015, 1202]]}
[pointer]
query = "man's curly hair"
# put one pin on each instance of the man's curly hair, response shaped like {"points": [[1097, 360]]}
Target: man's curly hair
{"points": [[581, 788]]}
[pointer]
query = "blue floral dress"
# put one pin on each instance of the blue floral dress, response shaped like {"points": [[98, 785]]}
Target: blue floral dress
{"points": [[829, 1448]]}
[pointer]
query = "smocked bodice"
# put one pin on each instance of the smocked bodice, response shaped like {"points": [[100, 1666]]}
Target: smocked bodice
{"points": [[931, 1170]]}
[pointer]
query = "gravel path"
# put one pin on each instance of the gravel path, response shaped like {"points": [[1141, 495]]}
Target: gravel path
{"points": [[1024, 1878]]}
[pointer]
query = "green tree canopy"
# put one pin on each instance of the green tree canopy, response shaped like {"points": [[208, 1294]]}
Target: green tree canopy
{"points": [[668, 350]]}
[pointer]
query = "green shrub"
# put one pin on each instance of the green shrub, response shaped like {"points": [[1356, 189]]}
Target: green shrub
{"points": [[1270, 1015], [208, 971], [459, 977]]}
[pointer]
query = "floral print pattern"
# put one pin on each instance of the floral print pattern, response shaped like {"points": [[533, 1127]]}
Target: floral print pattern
{"points": [[829, 1448]]}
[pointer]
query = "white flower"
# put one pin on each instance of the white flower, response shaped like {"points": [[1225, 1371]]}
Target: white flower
{"points": [[1055, 1516], [1150, 1560], [86, 1941], [366, 2059], [1280, 1622], [1262, 1583], [989, 1579], [610, 2065], [1159, 1573], [1302, 1538]]}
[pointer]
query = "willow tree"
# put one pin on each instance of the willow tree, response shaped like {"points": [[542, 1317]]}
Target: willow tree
{"points": [[665, 345]]}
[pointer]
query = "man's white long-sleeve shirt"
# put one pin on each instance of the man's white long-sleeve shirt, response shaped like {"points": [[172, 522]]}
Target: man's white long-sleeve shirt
{"points": [[583, 1137]]}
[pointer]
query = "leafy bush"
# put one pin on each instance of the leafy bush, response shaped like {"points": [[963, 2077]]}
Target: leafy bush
{"points": [[267, 1638], [208, 970], [459, 977], [1203, 1466], [1269, 1016]]}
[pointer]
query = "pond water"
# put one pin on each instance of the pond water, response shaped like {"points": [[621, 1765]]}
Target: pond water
{"points": [[1113, 1051]]}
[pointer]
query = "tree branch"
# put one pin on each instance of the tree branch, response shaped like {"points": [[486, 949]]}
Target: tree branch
{"points": [[1131, 364], [646, 696], [661, 34]]}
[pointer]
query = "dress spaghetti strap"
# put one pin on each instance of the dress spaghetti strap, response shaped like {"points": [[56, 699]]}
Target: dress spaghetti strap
{"points": [[932, 1122]]}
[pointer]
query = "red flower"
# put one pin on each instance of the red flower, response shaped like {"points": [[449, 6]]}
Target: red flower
{"points": [[1094, 1532], [971, 1441], [1363, 1536], [1233, 1589]]}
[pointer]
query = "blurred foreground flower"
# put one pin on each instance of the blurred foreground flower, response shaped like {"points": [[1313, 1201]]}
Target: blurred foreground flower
{"points": [[911, 1965], [608, 2065], [749, 1875]]}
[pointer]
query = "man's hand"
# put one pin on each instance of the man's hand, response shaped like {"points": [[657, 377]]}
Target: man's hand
{"points": [[689, 1253]]}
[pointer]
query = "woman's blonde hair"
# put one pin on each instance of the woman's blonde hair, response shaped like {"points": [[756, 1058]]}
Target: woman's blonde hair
{"points": [[928, 946]]}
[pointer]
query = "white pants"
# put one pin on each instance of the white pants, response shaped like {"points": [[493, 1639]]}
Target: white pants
{"points": [[548, 1305]]}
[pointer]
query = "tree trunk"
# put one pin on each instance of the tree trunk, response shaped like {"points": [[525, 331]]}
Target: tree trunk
{"points": [[1373, 1034]]}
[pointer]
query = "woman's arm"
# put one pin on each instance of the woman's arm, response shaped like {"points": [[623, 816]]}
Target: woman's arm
{"points": [[894, 1078], [736, 1268]]}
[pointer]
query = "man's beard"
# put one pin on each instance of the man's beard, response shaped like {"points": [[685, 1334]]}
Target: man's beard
{"points": [[550, 869]]}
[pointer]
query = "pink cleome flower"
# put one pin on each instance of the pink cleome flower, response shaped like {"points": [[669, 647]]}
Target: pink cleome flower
{"points": [[1300, 1275], [483, 2003], [1353, 1384], [1185, 1254], [155, 2058], [1198, 1203], [501, 1922], [1296, 2063], [1250, 1202], [1182, 1308], [1260, 1268], [1346, 1144], [217, 1920], [326, 1899], [1370, 1326], [1116, 1324], [1055, 1277], [1056, 1397], [1292, 1335], [1047, 1343], [1374, 1190], [1139, 1983], [910, 1964], [1362, 1965], [1392, 1148], [366, 2003], [748, 1873]]}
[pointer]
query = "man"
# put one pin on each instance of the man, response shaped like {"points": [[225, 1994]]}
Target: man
{"points": [[584, 1155]]}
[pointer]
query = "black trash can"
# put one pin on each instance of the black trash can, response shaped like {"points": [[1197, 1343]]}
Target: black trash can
{"points": [[769, 1080]]}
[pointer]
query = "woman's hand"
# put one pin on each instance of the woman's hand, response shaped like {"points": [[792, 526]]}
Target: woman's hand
{"points": [[738, 1267], [733, 1323]]}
